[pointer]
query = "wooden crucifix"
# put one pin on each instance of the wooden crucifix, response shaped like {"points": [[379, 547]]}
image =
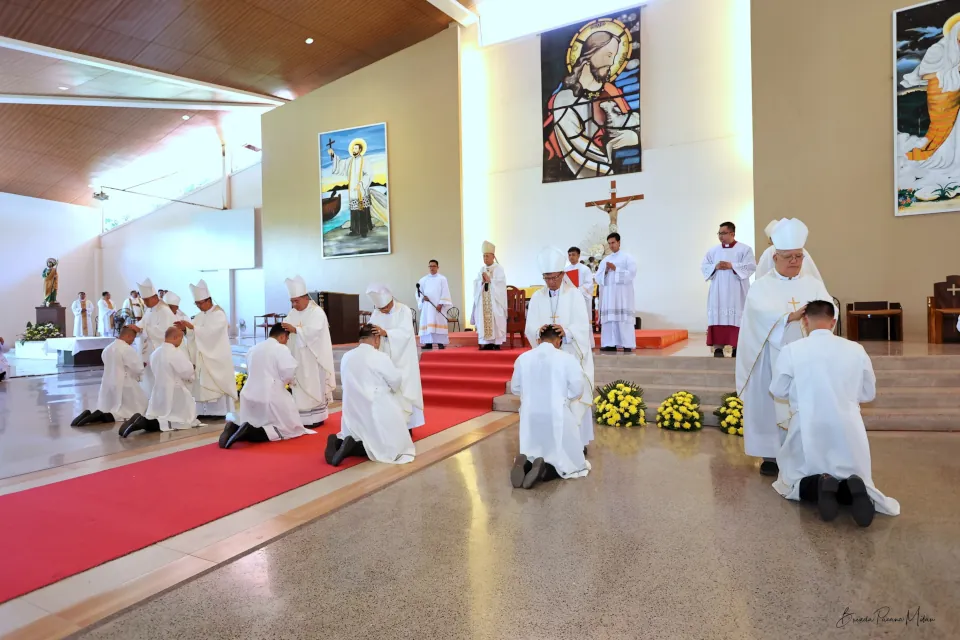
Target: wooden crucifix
{"points": [[613, 205]]}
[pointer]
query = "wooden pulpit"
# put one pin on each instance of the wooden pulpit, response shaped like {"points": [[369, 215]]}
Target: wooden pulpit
{"points": [[342, 311], [875, 321], [516, 314], [943, 309]]}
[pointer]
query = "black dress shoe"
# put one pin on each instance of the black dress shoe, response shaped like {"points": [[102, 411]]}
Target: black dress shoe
{"points": [[345, 448], [718, 353], [628, 350], [228, 430], [518, 471], [107, 418], [126, 423], [733, 354], [535, 474], [140, 424], [496, 347], [238, 435], [90, 418], [608, 349], [83, 414], [860, 503], [769, 468], [827, 487], [427, 347], [441, 347], [333, 443]]}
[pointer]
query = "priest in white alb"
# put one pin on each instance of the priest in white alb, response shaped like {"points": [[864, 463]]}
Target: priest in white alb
{"points": [[727, 267], [84, 318], [584, 280], [393, 321], [215, 388], [489, 314], [121, 396], [826, 455], [374, 417], [133, 306], [771, 320], [157, 318], [433, 302], [560, 305], [105, 315], [311, 346], [615, 275], [765, 263]]}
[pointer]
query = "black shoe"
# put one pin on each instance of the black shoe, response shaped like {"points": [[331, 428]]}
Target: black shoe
{"points": [[769, 468], [427, 347], [496, 347], [861, 504], [718, 353], [441, 347], [228, 430], [333, 443], [628, 350], [107, 418], [238, 435], [345, 448], [733, 354], [535, 474], [140, 424], [608, 349], [827, 487], [584, 451], [83, 414], [518, 471], [129, 421], [91, 418]]}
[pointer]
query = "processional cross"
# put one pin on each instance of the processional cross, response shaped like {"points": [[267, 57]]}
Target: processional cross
{"points": [[613, 205]]}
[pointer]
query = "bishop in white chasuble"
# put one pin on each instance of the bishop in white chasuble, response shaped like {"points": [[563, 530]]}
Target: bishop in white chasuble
{"points": [[310, 344], [394, 323]]}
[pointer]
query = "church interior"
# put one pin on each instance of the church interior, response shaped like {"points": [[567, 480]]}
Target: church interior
{"points": [[234, 157]]}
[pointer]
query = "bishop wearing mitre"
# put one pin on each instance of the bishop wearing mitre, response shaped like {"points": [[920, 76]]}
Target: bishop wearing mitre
{"points": [[490, 301], [765, 263], [157, 318], [771, 320], [561, 304], [310, 344], [393, 322]]}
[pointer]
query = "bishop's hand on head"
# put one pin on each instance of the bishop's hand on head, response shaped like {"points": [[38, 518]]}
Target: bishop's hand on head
{"points": [[796, 315], [289, 328]]}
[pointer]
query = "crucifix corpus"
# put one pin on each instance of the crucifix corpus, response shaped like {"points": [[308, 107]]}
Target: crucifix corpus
{"points": [[613, 205]]}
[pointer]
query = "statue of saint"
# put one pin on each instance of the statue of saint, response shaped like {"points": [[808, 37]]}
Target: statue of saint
{"points": [[51, 282]]}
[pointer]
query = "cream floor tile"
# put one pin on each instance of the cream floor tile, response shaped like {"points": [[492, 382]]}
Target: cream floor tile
{"points": [[217, 530], [18, 613], [111, 575]]}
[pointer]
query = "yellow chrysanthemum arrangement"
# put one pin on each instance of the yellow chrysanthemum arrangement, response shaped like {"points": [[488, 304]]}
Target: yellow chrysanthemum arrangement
{"points": [[620, 404], [680, 412], [730, 413], [241, 379]]}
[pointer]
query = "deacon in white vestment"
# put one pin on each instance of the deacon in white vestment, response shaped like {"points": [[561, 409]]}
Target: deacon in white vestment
{"points": [[105, 314], [727, 267], [393, 321], [561, 305], [618, 319], [311, 346], [157, 318], [489, 314], [84, 320], [765, 263], [267, 410], [433, 302], [374, 419], [550, 385], [134, 306], [215, 388], [771, 320], [826, 455], [171, 405], [121, 396], [584, 280]]}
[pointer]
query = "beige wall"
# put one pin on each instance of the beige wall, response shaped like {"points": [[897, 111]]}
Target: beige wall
{"points": [[416, 93], [823, 151]]}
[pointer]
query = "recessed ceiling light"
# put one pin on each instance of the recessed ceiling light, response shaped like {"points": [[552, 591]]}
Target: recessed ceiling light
{"points": [[185, 117], [309, 40], [64, 88]]}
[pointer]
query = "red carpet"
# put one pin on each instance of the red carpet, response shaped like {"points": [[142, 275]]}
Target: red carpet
{"points": [[646, 339], [55, 531]]}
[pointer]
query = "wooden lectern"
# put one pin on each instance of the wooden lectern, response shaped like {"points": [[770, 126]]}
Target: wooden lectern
{"points": [[943, 308], [55, 315], [343, 310]]}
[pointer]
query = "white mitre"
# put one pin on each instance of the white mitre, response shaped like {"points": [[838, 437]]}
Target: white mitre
{"points": [[200, 291], [296, 286], [146, 288], [489, 247], [552, 260], [379, 295], [171, 298], [770, 227], [789, 234]]}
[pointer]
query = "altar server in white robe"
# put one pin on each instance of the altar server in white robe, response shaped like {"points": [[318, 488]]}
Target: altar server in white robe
{"points": [[134, 306], [560, 304], [618, 319], [489, 314], [584, 280], [765, 263], [105, 315], [374, 417], [771, 320], [121, 396], [310, 344], [394, 324], [550, 384], [156, 320], [826, 455], [84, 318], [171, 405], [267, 410], [727, 267], [433, 302], [215, 388]]}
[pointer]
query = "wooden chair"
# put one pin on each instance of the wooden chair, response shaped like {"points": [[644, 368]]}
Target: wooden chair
{"points": [[365, 317], [943, 307], [875, 321], [453, 318], [516, 314], [269, 320]]}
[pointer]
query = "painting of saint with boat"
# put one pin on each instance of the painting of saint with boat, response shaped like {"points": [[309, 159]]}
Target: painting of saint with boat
{"points": [[354, 185]]}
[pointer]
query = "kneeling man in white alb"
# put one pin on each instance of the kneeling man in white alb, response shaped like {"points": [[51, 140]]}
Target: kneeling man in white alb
{"points": [[121, 396]]}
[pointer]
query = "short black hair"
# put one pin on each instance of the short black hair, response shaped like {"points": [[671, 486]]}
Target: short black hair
{"points": [[366, 331], [729, 225], [434, 262], [574, 250], [134, 291], [105, 293], [82, 293], [277, 329], [614, 235], [550, 332], [820, 309]]}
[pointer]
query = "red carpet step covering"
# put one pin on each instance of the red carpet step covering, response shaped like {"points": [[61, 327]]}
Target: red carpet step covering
{"points": [[646, 339], [55, 531]]}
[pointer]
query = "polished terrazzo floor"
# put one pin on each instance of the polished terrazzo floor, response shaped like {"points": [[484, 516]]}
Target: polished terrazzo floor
{"points": [[672, 536]]}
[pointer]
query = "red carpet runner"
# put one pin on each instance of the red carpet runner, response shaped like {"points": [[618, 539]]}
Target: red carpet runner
{"points": [[58, 530]]}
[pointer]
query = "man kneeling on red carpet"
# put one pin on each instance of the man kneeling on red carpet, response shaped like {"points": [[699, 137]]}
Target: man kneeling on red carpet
{"points": [[267, 410], [374, 417]]}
